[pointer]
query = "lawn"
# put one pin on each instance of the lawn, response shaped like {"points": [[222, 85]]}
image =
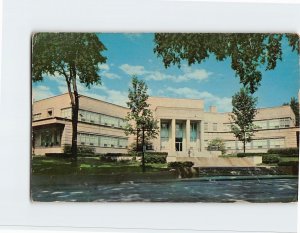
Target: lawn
{"points": [[88, 166]]}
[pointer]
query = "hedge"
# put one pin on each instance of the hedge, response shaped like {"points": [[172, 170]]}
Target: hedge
{"points": [[116, 154], [270, 158], [155, 158], [81, 150], [249, 154], [180, 164], [286, 152], [288, 163]]}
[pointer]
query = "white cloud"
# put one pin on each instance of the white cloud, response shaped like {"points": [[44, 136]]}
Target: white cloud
{"points": [[41, 92], [133, 70], [111, 75], [223, 103], [103, 67], [188, 74]]}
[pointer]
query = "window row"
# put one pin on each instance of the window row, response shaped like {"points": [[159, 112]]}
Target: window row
{"points": [[266, 124], [96, 118], [102, 141], [256, 144], [47, 137]]}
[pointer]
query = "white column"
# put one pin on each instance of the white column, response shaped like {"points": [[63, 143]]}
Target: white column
{"points": [[188, 134], [157, 145], [173, 135]]}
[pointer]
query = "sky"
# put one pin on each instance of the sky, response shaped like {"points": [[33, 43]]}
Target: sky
{"points": [[214, 82]]}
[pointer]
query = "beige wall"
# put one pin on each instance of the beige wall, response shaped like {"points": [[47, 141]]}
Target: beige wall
{"points": [[57, 103]]}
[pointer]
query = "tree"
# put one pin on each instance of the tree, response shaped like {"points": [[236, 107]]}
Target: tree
{"points": [[294, 104], [243, 113], [140, 121], [248, 52], [217, 144], [74, 56]]}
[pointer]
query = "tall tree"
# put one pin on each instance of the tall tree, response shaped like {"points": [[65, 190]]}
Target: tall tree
{"points": [[294, 104], [243, 114], [76, 57], [248, 52], [140, 121]]}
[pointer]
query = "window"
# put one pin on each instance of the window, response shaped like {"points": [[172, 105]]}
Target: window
{"points": [[284, 123], [261, 124], [193, 133], [109, 121], [97, 118], [260, 144], [277, 143], [179, 131], [274, 124], [123, 143], [48, 137], [215, 126], [164, 131], [49, 112], [205, 126], [227, 127], [122, 123], [66, 113], [36, 116]]}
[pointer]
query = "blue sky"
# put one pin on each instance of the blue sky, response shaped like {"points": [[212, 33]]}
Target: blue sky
{"points": [[212, 81]]}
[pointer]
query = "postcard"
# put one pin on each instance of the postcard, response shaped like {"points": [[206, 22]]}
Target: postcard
{"points": [[165, 117]]}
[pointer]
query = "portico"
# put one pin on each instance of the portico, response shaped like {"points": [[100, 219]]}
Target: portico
{"points": [[181, 136]]}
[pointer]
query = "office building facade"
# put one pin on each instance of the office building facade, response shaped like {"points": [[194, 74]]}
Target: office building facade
{"points": [[185, 129]]}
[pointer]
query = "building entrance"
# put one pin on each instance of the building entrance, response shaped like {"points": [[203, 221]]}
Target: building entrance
{"points": [[178, 144], [179, 136]]}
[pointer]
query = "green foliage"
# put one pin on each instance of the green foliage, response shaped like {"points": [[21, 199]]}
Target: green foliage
{"points": [[270, 158], [180, 164], [243, 113], [83, 151], [248, 51], [294, 104], [72, 57], [217, 144], [250, 154], [155, 158], [286, 152], [140, 117], [289, 163], [67, 54]]}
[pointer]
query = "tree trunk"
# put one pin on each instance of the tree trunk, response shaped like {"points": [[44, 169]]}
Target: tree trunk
{"points": [[137, 141], [75, 108], [244, 144], [143, 154]]}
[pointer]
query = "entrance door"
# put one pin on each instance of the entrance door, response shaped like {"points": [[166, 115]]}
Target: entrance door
{"points": [[178, 144], [179, 136]]}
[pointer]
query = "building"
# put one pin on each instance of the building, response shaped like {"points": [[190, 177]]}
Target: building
{"points": [[185, 128]]}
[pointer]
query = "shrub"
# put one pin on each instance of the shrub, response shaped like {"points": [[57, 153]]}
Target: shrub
{"points": [[288, 163], [117, 154], [105, 158], [216, 144], [270, 158], [155, 158], [249, 154], [81, 150], [180, 164], [287, 152]]}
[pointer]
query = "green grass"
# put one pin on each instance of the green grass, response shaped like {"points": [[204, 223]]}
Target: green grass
{"points": [[88, 166], [286, 159]]}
